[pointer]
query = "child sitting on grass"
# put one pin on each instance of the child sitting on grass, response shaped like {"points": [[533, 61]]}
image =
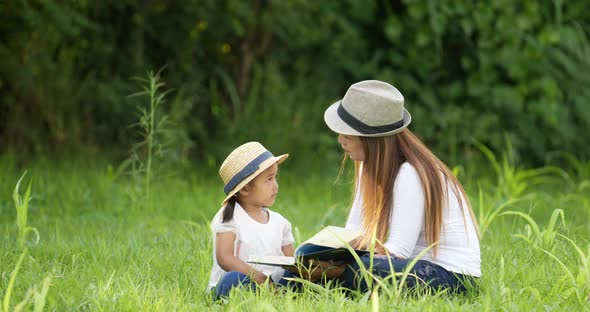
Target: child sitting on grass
{"points": [[244, 225]]}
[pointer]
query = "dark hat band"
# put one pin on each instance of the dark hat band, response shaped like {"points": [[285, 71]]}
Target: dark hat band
{"points": [[249, 169], [363, 127]]}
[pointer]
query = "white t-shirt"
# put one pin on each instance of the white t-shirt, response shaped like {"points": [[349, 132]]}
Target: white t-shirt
{"points": [[458, 247], [252, 238]]}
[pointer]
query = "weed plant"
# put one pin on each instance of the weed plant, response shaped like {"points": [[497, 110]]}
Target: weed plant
{"points": [[22, 208], [152, 126]]}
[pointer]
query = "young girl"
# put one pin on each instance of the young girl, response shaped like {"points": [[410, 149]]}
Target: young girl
{"points": [[403, 193], [244, 225]]}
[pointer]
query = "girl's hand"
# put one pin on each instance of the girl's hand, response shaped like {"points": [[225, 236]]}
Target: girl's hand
{"points": [[260, 278]]}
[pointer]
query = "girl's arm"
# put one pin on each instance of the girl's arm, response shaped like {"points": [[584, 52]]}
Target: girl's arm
{"points": [[224, 253], [288, 250]]}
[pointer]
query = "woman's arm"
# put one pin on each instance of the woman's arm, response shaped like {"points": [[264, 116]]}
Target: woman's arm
{"points": [[407, 217], [354, 220], [224, 253]]}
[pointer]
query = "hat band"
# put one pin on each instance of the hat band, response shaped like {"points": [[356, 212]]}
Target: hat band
{"points": [[249, 169], [363, 127]]}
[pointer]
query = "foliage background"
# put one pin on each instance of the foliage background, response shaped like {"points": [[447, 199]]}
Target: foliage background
{"points": [[495, 89], [266, 70]]}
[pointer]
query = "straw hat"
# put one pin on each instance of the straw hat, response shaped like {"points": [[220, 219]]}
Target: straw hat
{"points": [[370, 108], [244, 164]]}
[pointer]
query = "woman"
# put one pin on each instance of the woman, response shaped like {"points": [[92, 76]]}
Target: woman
{"points": [[403, 193]]}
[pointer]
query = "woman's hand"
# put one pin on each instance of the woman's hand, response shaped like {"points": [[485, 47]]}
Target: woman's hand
{"points": [[316, 269]]}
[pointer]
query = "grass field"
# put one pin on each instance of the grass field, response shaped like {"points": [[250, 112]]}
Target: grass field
{"points": [[101, 247]]}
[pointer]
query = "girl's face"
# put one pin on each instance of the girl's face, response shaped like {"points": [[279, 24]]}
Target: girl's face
{"points": [[353, 146], [262, 190]]}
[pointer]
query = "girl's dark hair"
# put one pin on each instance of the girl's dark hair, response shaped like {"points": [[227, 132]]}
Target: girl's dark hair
{"points": [[228, 212]]}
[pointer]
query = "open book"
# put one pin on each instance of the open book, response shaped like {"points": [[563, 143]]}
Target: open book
{"points": [[328, 244]]}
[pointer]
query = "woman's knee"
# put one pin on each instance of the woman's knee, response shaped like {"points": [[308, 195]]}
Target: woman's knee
{"points": [[422, 272]]}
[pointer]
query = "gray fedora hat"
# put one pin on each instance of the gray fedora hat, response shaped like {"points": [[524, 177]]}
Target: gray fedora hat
{"points": [[370, 108]]}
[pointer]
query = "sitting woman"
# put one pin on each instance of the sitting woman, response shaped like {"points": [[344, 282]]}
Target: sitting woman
{"points": [[403, 193]]}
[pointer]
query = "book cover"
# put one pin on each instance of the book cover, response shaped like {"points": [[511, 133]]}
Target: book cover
{"points": [[328, 244]]}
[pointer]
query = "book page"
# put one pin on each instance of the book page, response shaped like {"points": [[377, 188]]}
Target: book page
{"points": [[333, 236], [272, 260]]}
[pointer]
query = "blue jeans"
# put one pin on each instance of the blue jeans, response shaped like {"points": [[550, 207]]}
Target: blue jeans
{"points": [[432, 274], [236, 279]]}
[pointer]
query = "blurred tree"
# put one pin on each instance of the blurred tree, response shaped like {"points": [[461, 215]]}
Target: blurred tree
{"points": [[266, 70]]}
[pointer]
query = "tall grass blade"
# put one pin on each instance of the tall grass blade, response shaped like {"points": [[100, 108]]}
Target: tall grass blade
{"points": [[528, 218], [40, 297], [22, 210], [8, 292], [411, 265]]}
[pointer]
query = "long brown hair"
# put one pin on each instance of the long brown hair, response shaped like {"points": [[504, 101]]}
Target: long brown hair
{"points": [[383, 158]]}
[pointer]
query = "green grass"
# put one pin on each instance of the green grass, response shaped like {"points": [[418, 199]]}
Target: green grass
{"points": [[101, 250]]}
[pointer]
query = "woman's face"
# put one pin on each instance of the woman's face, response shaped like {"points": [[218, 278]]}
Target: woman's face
{"points": [[352, 146]]}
